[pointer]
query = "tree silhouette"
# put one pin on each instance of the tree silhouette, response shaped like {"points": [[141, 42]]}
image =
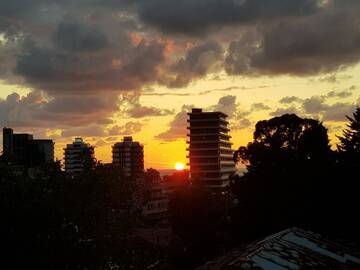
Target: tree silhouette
{"points": [[55, 222], [288, 166], [195, 217], [349, 146]]}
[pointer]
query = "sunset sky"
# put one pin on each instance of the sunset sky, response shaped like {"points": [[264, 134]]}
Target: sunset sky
{"points": [[103, 69]]}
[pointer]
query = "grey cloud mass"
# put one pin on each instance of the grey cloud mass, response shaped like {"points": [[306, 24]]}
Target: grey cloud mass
{"points": [[198, 61], [317, 44], [78, 57], [74, 36], [194, 17]]}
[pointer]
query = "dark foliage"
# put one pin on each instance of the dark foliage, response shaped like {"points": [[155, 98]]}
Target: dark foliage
{"points": [[195, 217], [55, 222], [349, 146], [293, 179]]}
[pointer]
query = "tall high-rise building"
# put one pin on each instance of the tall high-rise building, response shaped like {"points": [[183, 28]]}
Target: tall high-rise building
{"points": [[8, 143], [22, 149], [43, 150], [129, 155], [210, 155], [79, 156]]}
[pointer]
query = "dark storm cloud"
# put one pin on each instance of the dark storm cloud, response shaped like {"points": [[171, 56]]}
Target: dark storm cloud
{"points": [[198, 62], [55, 70], [74, 36], [194, 17], [321, 43], [83, 54], [36, 110]]}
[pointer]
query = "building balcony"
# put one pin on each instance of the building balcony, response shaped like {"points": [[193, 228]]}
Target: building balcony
{"points": [[210, 120], [208, 134], [209, 141], [221, 127]]}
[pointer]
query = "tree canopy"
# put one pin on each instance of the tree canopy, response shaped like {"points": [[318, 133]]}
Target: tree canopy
{"points": [[349, 145], [287, 181], [56, 222]]}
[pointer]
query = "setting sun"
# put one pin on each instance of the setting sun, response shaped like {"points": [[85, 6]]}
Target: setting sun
{"points": [[179, 166]]}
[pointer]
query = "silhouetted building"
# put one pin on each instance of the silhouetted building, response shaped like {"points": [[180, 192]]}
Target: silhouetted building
{"points": [[8, 143], [156, 204], [79, 156], [129, 155], [210, 154], [290, 249], [22, 149], [44, 150]]}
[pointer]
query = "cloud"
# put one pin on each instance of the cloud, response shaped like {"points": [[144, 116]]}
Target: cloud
{"points": [[321, 43], [177, 127], [340, 94], [86, 131], [198, 62], [314, 104], [259, 107], [318, 106], [287, 110], [93, 130], [196, 17], [128, 129], [290, 99], [37, 110], [329, 112], [338, 111], [78, 57], [130, 106], [226, 104], [241, 124], [74, 36], [57, 71], [100, 143]]}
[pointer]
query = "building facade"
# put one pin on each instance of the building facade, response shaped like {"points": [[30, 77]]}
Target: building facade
{"points": [[79, 156], [129, 155], [209, 152], [23, 149]]}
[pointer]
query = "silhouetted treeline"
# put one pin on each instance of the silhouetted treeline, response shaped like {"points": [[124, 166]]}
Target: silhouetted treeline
{"points": [[295, 179], [56, 222]]}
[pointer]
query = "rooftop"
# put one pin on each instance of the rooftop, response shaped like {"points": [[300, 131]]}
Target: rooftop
{"points": [[290, 249], [200, 111]]}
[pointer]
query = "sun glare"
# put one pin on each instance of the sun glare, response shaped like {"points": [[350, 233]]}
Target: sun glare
{"points": [[179, 166]]}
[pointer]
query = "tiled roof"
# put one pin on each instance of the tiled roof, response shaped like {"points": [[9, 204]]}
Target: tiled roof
{"points": [[290, 249]]}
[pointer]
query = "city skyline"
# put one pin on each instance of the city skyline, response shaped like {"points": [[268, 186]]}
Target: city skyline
{"points": [[105, 71]]}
